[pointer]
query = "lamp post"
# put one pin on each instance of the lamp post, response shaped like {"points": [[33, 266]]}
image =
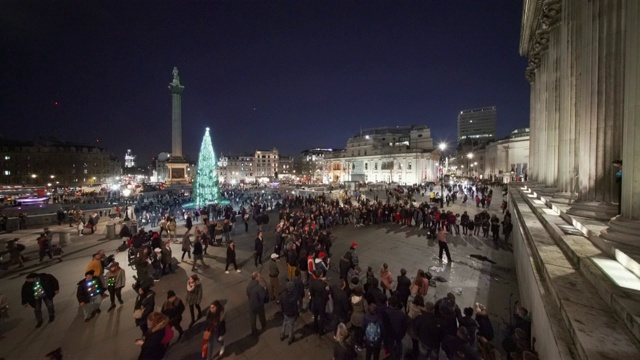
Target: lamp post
{"points": [[442, 147], [469, 157]]}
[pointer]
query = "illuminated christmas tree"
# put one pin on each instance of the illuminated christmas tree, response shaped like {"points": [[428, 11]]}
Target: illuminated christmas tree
{"points": [[206, 189]]}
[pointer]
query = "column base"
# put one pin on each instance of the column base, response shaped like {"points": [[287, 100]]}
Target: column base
{"points": [[564, 198], [594, 210], [623, 231]]}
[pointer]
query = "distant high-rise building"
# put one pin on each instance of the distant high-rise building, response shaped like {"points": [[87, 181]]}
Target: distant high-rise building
{"points": [[477, 124], [129, 159]]}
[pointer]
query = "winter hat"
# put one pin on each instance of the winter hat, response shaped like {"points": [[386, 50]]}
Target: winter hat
{"points": [[170, 294], [274, 256], [353, 244]]}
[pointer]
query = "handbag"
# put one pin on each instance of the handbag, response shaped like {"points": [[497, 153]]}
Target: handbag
{"points": [[137, 313], [206, 335]]}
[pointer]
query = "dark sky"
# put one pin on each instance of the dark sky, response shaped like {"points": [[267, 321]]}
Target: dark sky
{"points": [[261, 74]]}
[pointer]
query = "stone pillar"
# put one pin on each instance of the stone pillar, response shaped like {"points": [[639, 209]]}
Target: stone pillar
{"points": [[176, 115], [600, 97], [626, 227], [631, 133]]}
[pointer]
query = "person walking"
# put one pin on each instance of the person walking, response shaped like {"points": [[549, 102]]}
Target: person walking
{"points": [[258, 249], [194, 297], [44, 247], [151, 344], [198, 255], [442, 244], [173, 308], [186, 245], [143, 307], [39, 288], [116, 280], [215, 330], [257, 294], [290, 311], [231, 257], [88, 294]]}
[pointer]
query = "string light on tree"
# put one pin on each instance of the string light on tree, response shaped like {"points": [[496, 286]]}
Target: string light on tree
{"points": [[206, 189]]}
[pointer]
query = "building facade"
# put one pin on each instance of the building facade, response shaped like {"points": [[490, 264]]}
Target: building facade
{"points": [[402, 154], [477, 124], [50, 161], [313, 164], [507, 159], [266, 163]]}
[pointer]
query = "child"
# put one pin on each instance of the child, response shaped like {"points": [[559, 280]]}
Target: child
{"points": [[57, 252]]}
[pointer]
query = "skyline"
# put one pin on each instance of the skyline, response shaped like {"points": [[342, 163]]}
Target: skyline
{"points": [[287, 74]]}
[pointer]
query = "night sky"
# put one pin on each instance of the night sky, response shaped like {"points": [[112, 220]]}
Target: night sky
{"points": [[261, 74]]}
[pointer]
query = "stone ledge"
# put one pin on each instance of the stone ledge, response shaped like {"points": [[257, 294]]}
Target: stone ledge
{"points": [[572, 289]]}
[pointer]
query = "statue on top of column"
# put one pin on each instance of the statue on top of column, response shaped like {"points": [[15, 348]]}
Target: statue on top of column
{"points": [[176, 78]]}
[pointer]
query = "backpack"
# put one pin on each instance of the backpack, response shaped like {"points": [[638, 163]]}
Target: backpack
{"points": [[372, 333]]}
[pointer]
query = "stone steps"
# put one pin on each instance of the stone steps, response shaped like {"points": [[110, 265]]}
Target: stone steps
{"points": [[600, 327]]}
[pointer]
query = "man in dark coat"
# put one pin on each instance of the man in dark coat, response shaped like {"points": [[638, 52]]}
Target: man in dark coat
{"points": [[374, 295], [341, 304], [396, 323], [345, 266], [257, 295], [402, 289], [429, 331], [39, 288], [319, 296], [290, 310]]}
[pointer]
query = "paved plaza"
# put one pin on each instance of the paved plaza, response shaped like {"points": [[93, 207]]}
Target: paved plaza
{"points": [[111, 334]]}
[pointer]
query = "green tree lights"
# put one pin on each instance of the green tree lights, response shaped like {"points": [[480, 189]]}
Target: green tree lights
{"points": [[206, 182]]}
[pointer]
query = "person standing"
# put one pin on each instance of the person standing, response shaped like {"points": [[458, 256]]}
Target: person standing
{"points": [[257, 294], [39, 288], [88, 295], [198, 255], [167, 258], [386, 279], [231, 257], [258, 249], [194, 297], [442, 244], [319, 296], [357, 315], [173, 308], [215, 330], [403, 289], [274, 272], [372, 325], [116, 280], [290, 310]]}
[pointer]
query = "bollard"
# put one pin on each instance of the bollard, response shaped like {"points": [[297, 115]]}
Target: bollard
{"points": [[64, 239], [111, 231]]}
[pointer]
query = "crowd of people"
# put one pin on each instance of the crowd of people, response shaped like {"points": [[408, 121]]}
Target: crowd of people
{"points": [[368, 311]]}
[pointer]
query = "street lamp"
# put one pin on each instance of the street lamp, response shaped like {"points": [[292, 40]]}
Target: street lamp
{"points": [[469, 157], [442, 147]]}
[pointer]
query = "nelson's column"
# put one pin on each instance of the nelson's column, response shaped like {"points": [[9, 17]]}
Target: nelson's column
{"points": [[177, 164]]}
